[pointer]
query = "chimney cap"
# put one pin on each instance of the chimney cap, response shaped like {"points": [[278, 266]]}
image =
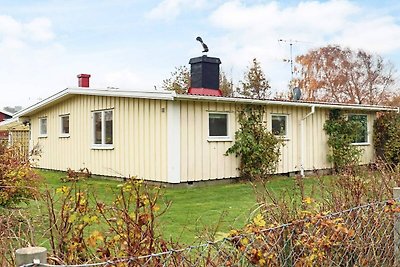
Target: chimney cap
{"points": [[205, 59], [83, 75]]}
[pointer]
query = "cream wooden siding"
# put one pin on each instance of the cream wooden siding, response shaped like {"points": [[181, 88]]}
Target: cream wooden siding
{"points": [[139, 133], [202, 159]]}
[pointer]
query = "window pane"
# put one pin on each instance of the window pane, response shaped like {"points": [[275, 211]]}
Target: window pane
{"points": [[43, 126], [218, 124], [65, 124], [362, 136], [109, 127], [279, 125], [97, 127]]}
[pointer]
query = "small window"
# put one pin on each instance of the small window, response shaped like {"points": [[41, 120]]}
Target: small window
{"points": [[103, 128], [43, 126], [279, 125], [218, 125], [64, 125], [362, 136]]}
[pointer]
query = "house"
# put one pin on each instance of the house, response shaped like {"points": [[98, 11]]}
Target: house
{"points": [[4, 115], [176, 138]]}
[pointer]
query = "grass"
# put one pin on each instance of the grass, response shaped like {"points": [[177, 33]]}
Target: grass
{"points": [[195, 209]]}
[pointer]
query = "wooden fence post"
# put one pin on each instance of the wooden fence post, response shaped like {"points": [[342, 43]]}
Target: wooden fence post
{"points": [[30, 255], [396, 228]]}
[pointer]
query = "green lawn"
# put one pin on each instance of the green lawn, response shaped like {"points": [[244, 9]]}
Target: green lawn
{"points": [[194, 209]]}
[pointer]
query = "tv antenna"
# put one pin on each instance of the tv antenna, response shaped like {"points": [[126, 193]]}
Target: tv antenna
{"points": [[290, 60]]}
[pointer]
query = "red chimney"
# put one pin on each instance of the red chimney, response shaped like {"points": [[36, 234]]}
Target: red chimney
{"points": [[83, 80]]}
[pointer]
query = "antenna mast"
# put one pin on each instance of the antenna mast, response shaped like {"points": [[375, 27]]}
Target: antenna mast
{"points": [[290, 60]]}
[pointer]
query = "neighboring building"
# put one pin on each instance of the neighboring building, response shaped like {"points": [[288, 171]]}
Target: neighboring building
{"points": [[167, 137], [4, 115]]}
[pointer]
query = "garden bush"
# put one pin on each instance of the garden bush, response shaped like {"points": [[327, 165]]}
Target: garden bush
{"points": [[18, 181], [341, 134], [258, 148], [387, 137]]}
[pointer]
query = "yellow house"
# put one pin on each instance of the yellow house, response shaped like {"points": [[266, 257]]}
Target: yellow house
{"points": [[175, 138]]}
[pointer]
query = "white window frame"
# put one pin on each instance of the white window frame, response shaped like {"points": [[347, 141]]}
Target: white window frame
{"points": [[286, 135], [42, 135], [219, 138], [62, 134], [367, 141], [103, 145]]}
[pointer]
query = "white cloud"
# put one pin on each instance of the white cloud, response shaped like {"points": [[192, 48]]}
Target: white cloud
{"points": [[170, 9], [39, 29], [253, 30], [379, 35], [9, 26], [125, 79], [30, 59], [15, 34]]}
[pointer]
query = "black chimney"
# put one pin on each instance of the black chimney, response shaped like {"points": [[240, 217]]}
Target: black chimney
{"points": [[204, 75]]}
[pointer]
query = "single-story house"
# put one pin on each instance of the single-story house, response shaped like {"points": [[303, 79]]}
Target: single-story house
{"points": [[176, 138], [4, 115]]}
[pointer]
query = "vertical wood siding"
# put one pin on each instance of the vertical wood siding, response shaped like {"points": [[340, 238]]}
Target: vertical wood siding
{"points": [[202, 159], [139, 133]]}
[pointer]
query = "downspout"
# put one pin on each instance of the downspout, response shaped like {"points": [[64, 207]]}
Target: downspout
{"points": [[303, 139]]}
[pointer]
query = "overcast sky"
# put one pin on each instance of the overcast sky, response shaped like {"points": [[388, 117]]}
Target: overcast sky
{"points": [[135, 44]]}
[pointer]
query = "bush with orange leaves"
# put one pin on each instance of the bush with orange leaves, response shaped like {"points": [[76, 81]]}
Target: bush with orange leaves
{"points": [[18, 181]]}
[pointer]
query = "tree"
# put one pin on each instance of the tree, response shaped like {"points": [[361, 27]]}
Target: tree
{"points": [[225, 85], [254, 84], [179, 80], [338, 74]]}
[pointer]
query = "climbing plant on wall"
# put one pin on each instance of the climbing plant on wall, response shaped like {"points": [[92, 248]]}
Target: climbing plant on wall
{"points": [[341, 134], [387, 137], [258, 149]]}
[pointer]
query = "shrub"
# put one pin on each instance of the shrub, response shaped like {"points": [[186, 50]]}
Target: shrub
{"points": [[18, 181], [341, 134], [258, 148], [124, 228], [387, 137]]}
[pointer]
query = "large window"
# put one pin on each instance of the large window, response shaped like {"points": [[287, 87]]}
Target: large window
{"points": [[103, 128], [43, 127], [362, 136], [279, 124], [64, 120], [218, 125]]}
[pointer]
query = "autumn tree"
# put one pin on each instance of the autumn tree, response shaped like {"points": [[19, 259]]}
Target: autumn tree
{"points": [[254, 84], [225, 85], [333, 73], [179, 80]]}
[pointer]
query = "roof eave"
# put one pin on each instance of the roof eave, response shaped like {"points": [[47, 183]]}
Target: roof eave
{"points": [[285, 103], [163, 95]]}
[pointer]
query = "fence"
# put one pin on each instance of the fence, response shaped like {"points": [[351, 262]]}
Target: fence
{"points": [[367, 235]]}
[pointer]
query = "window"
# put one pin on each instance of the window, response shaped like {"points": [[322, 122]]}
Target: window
{"points": [[64, 125], [279, 125], [43, 127], [218, 125], [362, 136], [103, 128]]}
